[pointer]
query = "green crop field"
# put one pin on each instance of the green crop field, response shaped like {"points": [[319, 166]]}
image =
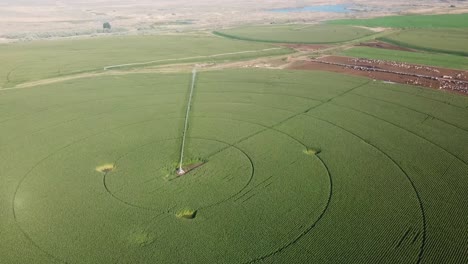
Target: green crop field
{"points": [[308, 34], [296, 167], [409, 21], [451, 41], [32, 61], [430, 59]]}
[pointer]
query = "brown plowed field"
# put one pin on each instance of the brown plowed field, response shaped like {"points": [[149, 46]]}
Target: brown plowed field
{"points": [[432, 77]]}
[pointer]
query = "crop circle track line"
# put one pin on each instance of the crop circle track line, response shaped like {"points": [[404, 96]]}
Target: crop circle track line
{"points": [[118, 110], [404, 129], [248, 103], [261, 93], [310, 227], [323, 211], [228, 145], [116, 162], [253, 123], [418, 197], [251, 178], [427, 98], [60, 106], [417, 111], [49, 156], [252, 166], [86, 117]]}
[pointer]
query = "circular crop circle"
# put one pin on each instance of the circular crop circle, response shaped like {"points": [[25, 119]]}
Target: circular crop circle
{"points": [[142, 179], [145, 197]]}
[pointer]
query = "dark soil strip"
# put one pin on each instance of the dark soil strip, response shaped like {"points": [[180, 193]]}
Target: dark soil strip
{"points": [[403, 238], [383, 45]]}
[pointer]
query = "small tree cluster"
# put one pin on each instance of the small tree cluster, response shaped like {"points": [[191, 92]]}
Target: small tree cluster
{"points": [[106, 26]]}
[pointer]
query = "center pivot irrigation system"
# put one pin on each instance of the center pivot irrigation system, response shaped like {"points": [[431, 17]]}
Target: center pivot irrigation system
{"points": [[180, 170]]}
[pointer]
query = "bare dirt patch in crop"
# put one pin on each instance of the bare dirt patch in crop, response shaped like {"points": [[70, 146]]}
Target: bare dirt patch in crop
{"points": [[312, 151], [188, 168], [106, 168], [187, 214], [390, 71]]}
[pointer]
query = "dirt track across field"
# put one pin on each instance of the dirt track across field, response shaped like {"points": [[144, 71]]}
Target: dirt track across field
{"points": [[390, 71], [383, 45], [305, 47]]}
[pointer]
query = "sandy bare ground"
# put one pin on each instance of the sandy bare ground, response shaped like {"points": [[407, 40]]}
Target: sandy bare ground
{"points": [[186, 58], [29, 19]]}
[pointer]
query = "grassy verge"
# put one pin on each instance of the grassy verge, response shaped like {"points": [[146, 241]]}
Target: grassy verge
{"points": [[409, 21]]}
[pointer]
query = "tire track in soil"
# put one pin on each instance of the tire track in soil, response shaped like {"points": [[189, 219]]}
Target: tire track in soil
{"points": [[269, 178], [60, 106], [245, 103], [210, 155], [228, 145], [233, 145], [55, 125], [428, 98], [302, 144], [44, 159], [413, 186], [309, 228], [104, 178], [107, 98], [8, 76], [252, 166], [302, 112], [146, 229], [296, 114], [261, 93], [239, 141], [412, 109], [404, 129]]}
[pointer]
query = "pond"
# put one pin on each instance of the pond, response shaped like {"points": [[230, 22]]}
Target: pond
{"points": [[342, 8]]}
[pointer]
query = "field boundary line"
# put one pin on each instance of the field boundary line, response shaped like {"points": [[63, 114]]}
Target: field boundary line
{"points": [[186, 58]]}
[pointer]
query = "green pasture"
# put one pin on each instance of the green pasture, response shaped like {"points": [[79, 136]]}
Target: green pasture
{"points": [[409, 21], [307, 34], [30, 61], [451, 41], [426, 58], [388, 185]]}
